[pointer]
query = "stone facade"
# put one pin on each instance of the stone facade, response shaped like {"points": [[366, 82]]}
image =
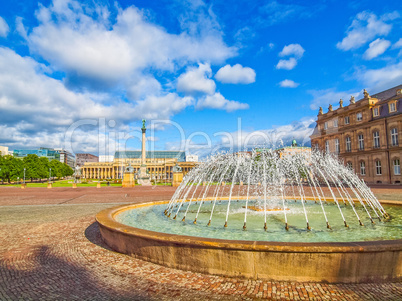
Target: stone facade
{"points": [[366, 134], [84, 158], [159, 169]]}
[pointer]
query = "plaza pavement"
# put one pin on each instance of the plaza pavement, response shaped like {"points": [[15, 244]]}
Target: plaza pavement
{"points": [[51, 249]]}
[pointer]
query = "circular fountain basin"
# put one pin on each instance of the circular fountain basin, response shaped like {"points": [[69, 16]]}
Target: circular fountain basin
{"points": [[354, 261]]}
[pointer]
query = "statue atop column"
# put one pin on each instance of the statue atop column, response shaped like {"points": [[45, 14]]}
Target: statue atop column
{"points": [[143, 175], [352, 99], [320, 111], [341, 103], [330, 108]]}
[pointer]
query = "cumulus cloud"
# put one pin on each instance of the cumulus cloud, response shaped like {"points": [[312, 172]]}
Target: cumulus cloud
{"points": [[218, 101], [287, 83], [292, 50], [91, 44], [382, 78], [236, 74], [364, 28], [33, 104], [398, 44], [288, 64], [376, 48], [296, 52], [197, 80], [4, 29]]}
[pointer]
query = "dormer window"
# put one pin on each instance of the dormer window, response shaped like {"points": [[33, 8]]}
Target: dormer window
{"points": [[359, 116], [399, 92], [392, 107], [376, 112]]}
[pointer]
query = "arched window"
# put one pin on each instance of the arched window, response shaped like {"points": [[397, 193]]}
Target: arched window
{"points": [[349, 165], [376, 139], [348, 144], [394, 136], [378, 167], [361, 141], [397, 166], [363, 168]]}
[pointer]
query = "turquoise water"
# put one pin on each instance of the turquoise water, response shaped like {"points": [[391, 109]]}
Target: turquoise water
{"points": [[153, 218]]}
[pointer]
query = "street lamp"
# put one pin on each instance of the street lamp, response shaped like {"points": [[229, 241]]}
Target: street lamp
{"points": [[24, 174]]}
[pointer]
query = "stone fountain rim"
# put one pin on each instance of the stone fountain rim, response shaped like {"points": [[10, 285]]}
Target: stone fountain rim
{"points": [[106, 219]]}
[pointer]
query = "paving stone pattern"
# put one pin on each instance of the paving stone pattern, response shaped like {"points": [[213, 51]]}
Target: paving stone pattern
{"points": [[53, 251]]}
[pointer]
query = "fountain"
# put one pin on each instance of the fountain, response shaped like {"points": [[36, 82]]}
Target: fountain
{"points": [[294, 217]]}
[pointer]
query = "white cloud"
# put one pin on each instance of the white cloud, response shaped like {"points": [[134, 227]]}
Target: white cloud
{"points": [[4, 29], [288, 64], [376, 48], [217, 101], [34, 105], [364, 28], [287, 83], [382, 78], [292, 50], [88, 45], [398, 44], [235, 75], [197, 80], [322, 98]]}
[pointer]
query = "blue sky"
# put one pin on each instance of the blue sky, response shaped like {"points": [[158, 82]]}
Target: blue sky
{"points": [[205, 74]]}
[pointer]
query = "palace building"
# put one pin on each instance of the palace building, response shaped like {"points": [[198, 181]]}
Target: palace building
{"points": [[366, 134], [159, 165]]}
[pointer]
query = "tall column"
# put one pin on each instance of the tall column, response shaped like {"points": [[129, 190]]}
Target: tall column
{"points": [[143, 151]]}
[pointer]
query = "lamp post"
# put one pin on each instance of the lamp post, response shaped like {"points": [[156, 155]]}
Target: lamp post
{"points": [[99, 174], [24, 174]]}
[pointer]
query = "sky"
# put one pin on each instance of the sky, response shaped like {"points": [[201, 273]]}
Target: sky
{"points": [[206, 75]]}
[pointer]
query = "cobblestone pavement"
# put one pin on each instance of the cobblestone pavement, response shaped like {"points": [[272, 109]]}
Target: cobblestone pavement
{"points": [[54, 252]]}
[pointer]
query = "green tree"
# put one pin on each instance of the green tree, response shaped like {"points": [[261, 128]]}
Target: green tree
{"points": [[32, 165], [11, 168]]}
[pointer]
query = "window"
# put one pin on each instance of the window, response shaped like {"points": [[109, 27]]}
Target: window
{"points": [[325, 125], [348, 144], [347, 121], [397, 167], [394, 136], [316, 146], [337, 149], [392, 107], [376, 112], [335, 123], [327, 146], [378, 167], [362, 168], [359, 116], [361, 142], [376, 141], [349, 165]]}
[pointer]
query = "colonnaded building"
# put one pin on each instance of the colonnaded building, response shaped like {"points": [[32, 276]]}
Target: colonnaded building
{"points": [[159, 164], [365, 134]]}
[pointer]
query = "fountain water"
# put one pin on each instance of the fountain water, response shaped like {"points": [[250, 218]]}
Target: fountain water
{"points": [[271, 182], [295, 217]]}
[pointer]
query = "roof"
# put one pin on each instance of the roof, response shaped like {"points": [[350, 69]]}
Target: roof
{"points": [[387, 94], [180, 156]]}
